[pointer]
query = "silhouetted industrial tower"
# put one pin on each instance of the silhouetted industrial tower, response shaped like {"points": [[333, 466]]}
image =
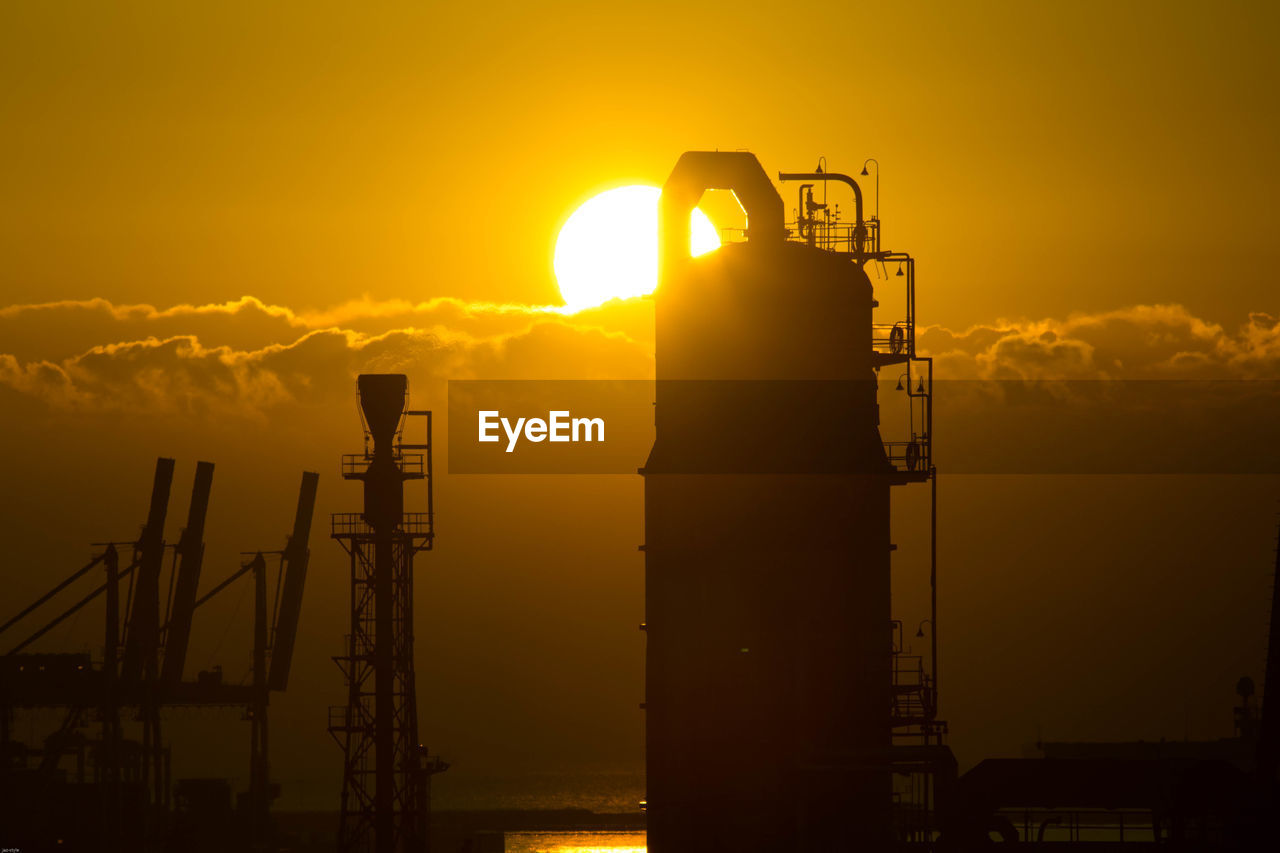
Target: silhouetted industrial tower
{"points": [[782, 704], [386, 772]]}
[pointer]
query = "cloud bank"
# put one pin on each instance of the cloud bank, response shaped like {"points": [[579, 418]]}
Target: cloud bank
{"points": [[1138, 342], [247, 356]]}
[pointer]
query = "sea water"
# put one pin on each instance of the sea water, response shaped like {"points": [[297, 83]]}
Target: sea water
{"points": [[575, 842]]}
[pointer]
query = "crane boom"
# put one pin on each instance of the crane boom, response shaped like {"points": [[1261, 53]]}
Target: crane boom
{"points": [[190, 559], [296, 555]]}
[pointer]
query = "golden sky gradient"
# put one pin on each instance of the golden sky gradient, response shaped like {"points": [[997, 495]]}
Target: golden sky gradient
{"points": [[1038, 158], [384, 187]]}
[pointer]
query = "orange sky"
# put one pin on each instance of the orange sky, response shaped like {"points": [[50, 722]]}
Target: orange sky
{"points": [[1039, 160]]}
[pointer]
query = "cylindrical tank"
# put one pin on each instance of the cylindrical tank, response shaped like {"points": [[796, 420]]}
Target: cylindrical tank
{"points": [[766, 554], [382, 401]]}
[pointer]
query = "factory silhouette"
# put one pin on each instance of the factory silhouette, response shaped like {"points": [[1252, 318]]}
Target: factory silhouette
{"points": [[784, 709]]}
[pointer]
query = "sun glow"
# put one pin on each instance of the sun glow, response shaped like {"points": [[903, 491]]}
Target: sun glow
{"points": [[608, 248]]}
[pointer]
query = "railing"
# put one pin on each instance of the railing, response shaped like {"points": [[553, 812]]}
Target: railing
{"points": [[361, 649], [915, 456], [894, 339], [908, 670], [1085, 825], [914, 700], [835, 236], [342, 720], [911, 456], [891, 343], [356, 464], [346, 524]]}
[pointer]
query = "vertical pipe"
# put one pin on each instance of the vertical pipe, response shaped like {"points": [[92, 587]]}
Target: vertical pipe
{"points": [[933, 536], [160, 756], [423, 770], [110, 761], [259, 771], [933, 563], [431, 509], [144, 760]]}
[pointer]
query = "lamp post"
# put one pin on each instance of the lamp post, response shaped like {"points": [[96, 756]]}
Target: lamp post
{"points": [[864, 173], [918, 392]]}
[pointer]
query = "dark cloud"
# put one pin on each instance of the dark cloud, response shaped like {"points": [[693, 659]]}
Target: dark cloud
{"points": [[245, 357], [59, 330], [1139, 342], [183, 373]]}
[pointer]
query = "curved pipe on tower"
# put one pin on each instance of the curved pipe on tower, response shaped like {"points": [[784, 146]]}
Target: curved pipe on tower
{"points": [[699, 171], [829, 176]]}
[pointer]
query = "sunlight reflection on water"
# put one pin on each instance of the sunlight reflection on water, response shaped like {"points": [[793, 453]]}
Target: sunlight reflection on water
{"points": [[575, 842]]}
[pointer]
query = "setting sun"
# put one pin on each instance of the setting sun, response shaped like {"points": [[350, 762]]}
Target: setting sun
{"points": [[608, 248]]}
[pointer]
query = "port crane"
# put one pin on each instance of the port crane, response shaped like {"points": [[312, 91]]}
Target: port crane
{"points": [[148, 618]]}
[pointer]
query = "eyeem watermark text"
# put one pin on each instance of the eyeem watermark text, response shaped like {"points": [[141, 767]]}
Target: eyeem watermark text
{"points": [[559, 426]]}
